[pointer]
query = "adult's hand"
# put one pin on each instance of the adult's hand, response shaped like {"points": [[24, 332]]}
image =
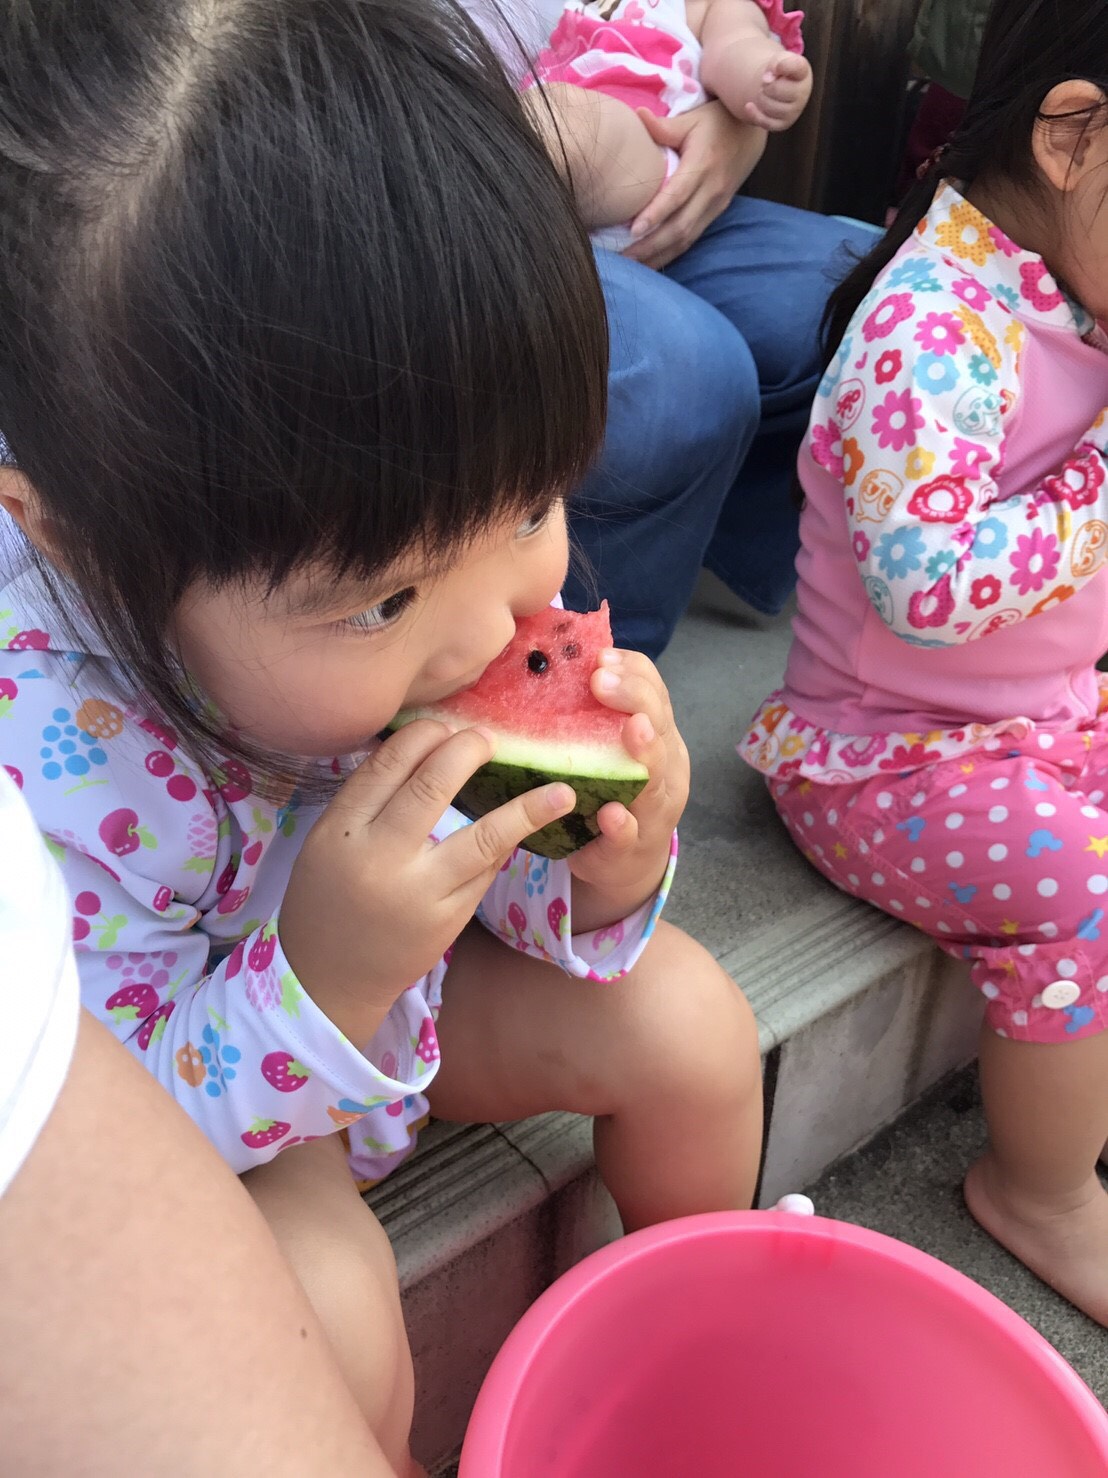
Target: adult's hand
{"points": [[716, 154]]}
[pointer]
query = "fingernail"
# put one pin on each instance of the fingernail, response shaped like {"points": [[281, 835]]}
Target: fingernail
{"points": [[485, 734], [607, 682], [609, 657], [559, 797], [639, 229]]}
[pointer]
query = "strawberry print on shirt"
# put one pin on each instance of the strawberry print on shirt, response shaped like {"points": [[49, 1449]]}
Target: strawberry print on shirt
{"points": [[176, 876]]}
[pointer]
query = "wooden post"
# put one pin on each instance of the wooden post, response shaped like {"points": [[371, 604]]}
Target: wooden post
{"points": [[843, 155]]}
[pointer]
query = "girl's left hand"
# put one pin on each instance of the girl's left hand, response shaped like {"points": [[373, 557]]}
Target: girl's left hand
{"points": [[625, 865]]}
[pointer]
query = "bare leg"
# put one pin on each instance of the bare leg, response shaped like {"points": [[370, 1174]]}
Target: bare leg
{"points": [[342, 1257], [666, 1060], [1036, 1188], [148, 1323], [613, 164]]}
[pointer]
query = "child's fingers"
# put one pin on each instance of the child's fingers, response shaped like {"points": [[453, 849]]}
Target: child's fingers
{"points": [[764, 119], [789, 65], [630, 683], [422, 796], [643, 742], [650, 730], [473, 852], [753, 114], [779, 98], [366, 793], [619, 836], [618, 827]]}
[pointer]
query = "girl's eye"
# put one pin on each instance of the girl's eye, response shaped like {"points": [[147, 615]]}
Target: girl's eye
{"points": [[384, 613], [534, 522]]}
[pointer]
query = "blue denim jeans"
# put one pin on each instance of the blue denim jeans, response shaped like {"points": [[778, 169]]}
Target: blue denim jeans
{"points": [[714, 367]]}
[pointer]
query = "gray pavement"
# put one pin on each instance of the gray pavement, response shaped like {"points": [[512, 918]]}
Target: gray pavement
{"points": [[907, 1183]]}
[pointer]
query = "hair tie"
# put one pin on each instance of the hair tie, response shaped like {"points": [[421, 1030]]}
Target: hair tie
{"points": [[932, 162]]}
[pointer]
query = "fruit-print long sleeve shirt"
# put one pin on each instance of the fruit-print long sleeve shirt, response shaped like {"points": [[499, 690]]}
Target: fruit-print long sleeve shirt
{"points": [[176, 877], [954, 538]]}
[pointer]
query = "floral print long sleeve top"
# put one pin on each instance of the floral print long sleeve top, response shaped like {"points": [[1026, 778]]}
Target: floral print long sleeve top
{"points": [[955, 471], [176, 876]]}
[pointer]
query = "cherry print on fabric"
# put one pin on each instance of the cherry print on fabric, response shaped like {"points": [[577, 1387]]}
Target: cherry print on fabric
{"points": [[177, 877]]}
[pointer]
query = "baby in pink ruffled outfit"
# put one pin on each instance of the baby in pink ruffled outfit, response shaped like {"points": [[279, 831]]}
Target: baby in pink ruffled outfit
{"points": [[609, 63]]}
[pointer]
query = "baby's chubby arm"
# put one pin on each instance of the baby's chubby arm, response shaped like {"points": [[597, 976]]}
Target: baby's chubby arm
{"points": [[603, 147], [746, 67]]}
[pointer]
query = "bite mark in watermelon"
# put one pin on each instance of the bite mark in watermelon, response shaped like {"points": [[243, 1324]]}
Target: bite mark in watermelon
{"points": [[535, 698]]}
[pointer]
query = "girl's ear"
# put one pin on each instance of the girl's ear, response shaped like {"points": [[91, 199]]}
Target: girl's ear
{"points": [[1069, 136], [17, 499]]}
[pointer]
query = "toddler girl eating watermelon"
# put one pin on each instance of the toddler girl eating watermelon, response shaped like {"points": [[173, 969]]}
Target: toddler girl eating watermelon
{"points": [[290, 419]]}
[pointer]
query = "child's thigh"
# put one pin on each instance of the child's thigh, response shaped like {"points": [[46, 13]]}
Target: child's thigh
{"points": [[345, 1264], [990, 839], [520, 1037], [1003, 860]]}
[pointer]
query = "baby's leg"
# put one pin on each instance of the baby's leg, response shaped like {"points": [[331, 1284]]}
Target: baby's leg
{"points": [[665, 1060], [343, 1259], [613, 164], [1036, 1188]]}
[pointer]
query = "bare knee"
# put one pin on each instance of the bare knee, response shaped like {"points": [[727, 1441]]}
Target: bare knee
{"points": [[345, 1263], [698, 1033]]}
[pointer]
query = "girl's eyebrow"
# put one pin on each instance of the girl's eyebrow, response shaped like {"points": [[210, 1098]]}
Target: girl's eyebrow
{"points": [[320, 598]]}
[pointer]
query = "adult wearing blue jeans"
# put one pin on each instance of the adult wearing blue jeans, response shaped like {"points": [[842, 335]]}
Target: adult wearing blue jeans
{"points": [[715, 361], [714, 319]]}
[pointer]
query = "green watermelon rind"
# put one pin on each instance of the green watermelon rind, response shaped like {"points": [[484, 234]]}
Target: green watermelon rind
{"points": [[597, 773], [496, 782]]}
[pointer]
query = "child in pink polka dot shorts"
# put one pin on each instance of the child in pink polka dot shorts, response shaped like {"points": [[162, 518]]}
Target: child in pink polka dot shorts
{"points": [[940, 745]]}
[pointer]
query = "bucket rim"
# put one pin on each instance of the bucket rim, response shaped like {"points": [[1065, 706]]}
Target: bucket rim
{"points": [[487, 1433]]}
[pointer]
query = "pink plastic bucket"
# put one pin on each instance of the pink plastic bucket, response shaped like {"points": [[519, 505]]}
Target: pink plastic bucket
{"points": [[776, 1346]]}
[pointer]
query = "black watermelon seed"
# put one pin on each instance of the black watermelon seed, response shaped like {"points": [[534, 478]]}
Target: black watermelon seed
{"points": [[538, 661]]}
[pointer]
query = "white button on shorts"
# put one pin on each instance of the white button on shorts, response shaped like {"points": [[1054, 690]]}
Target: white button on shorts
{"points": [[1060, 994]]}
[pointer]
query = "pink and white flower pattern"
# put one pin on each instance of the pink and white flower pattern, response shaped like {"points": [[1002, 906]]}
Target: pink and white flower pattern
{"points": [[949, 553]]}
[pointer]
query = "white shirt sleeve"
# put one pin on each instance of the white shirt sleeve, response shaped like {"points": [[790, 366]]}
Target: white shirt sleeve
{"points": [[39, 1001], [517, 30]]}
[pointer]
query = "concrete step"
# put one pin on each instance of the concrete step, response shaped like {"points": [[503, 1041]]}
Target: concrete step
{"points": [[484, 1217]]}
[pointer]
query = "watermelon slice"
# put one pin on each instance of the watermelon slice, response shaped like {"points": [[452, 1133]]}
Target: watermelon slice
{"points": [[536, 699]]}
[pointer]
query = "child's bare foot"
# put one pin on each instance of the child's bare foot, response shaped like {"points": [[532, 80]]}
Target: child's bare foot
{"points": [[1065, 1245]]}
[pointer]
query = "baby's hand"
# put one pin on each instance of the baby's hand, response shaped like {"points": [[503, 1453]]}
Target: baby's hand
{"points": [[373, 902], [785, 89], [624, 866]]}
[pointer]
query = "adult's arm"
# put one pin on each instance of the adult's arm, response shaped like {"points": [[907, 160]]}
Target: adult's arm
{"points": [[148, 1323]]}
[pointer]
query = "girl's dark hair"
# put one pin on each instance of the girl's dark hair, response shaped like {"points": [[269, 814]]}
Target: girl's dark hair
{"points": [[1029, 47], [281, 282]]}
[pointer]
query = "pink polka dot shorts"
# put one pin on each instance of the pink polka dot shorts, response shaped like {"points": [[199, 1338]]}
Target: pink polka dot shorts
{"points": [[999, 855]]}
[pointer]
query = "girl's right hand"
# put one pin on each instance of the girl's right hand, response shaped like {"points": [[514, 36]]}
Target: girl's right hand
{"points": [[374, 902]]}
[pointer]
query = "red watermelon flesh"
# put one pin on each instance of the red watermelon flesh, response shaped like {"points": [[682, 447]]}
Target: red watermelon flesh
{"points": [[536, 699]]}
